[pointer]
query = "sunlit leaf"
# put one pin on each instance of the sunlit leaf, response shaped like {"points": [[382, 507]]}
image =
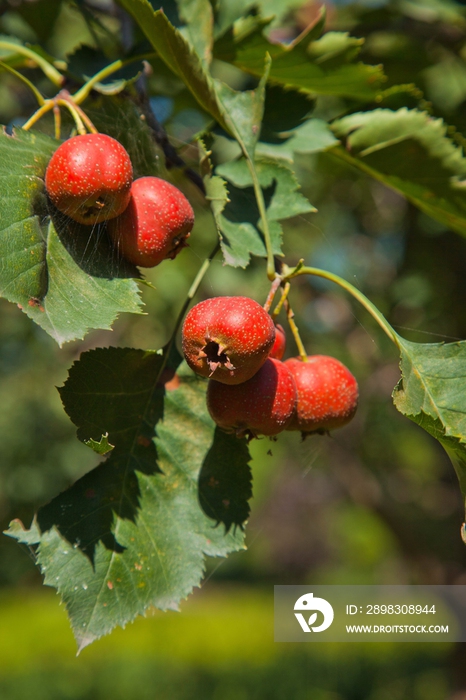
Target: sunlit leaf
{"points": [[312, 136], [198, 15], [239, 220], [318, 66], [66, 277], [411, 152], [432, 393], [178, 54]]}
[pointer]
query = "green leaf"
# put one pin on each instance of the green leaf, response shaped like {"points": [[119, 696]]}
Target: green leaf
{"points": [[41, 16], [199, 17], [68, 282], [177, 53], [88, 284], [432, 393], [448, 11], [131, 533], [102, 447], [446, 82], [312, 136], [239, 220], [277, 120], [239, 113], [316, 66], [409, 151], [243, 112], [226, 13]]}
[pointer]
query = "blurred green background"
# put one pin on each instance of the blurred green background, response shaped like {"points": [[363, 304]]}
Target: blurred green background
{"points": [[377, 502]]}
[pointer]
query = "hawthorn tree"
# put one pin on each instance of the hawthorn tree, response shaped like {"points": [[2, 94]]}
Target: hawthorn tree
{"points": [[172, 488]]}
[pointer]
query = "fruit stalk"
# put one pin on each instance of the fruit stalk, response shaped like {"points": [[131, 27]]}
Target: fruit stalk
{"points": [[283, 298], [61, 102], [273, 290], [57, 121], [31, 86], [71, 104], [46, 107], [52, 74], [86, 89], [263, 214], [295, 331], [368, 305]]}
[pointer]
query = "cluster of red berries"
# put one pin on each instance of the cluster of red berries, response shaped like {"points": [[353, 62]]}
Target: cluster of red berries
{"points": [[90, 179], [234, 342]]}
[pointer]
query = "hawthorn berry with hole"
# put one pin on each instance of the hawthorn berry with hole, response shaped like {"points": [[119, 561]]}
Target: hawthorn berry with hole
{"points": [[327, 394], [89, 178], [155, 225], [227, 338], [279, 346], [263, 405]]}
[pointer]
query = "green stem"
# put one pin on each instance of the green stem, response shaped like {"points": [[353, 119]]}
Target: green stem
{"points": [[198, 279], [74, 113], [270, 296], [52, 74], [65, 95], [46, 107], [57, 121], [295, 331], [263, 214], [27, 82], [368, 305], [283, 298], [85, 90], [189, 297], [86, 120]]}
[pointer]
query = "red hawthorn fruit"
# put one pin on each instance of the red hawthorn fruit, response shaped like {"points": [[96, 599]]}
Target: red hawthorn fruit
{"points": [[155, 225], [227, 338], [89, 178], [327, 394], [263, 405], [279, 346]]}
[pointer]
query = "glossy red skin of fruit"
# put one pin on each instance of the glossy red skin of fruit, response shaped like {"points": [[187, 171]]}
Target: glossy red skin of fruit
{"points": [[263, 405], [279, 346], [227, 338], [89, 178], [327, 394], [155, 225]]}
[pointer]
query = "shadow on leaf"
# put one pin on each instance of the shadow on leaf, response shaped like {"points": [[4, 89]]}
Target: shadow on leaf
{"points": [[225, 481], [84, 514], [91, 248], [115, 391], [243, 202]]}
